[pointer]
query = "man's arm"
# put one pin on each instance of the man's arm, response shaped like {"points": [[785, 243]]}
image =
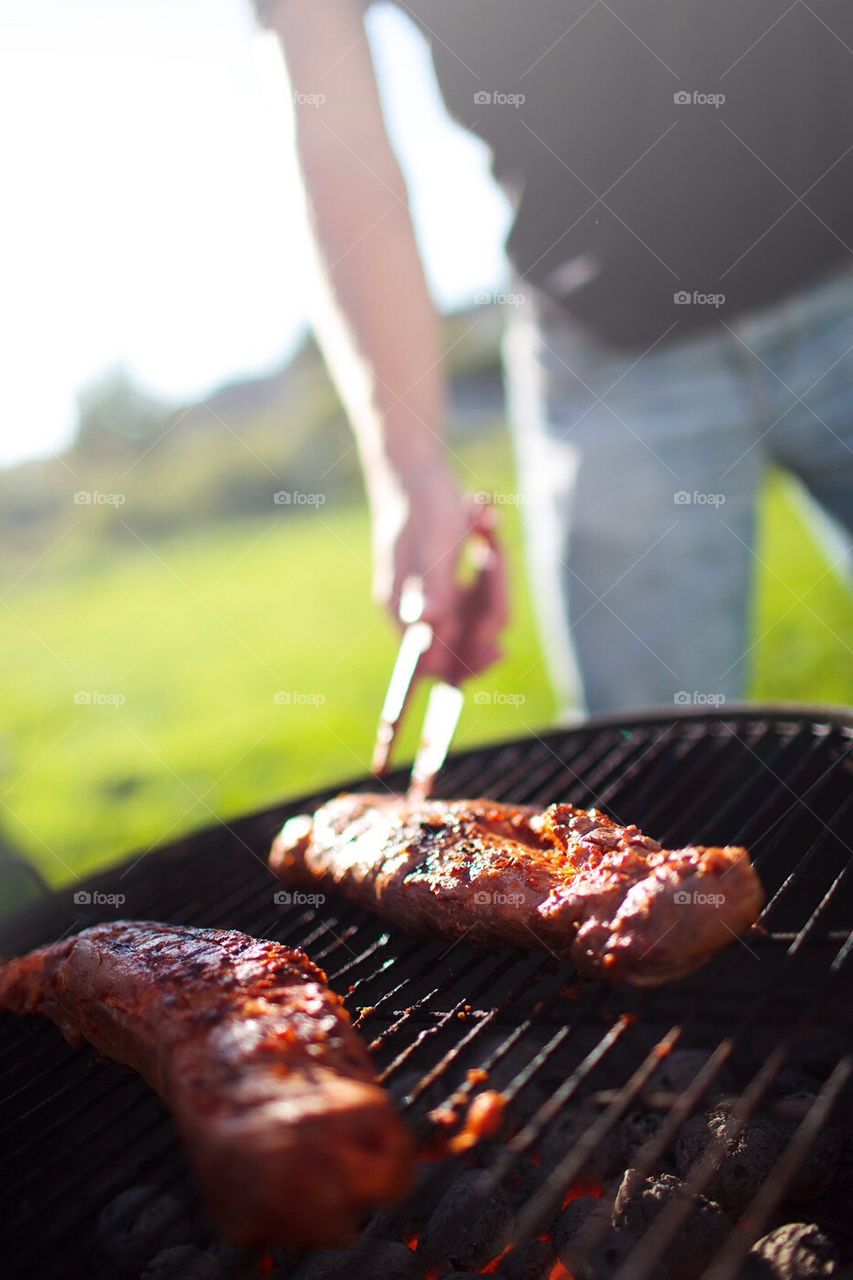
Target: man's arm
{"points": [[377, 325]]}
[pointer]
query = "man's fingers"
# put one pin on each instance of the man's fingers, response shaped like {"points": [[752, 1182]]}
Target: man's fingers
{"points": [[467, 619], [440, 586], [492, 588], [495, 586], [484, 607]]}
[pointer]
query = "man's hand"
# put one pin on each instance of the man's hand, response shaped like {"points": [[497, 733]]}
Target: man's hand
{"points": [[421, 530]]}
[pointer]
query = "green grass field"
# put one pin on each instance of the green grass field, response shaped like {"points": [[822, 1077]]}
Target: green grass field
{"points": [[181, 647]]}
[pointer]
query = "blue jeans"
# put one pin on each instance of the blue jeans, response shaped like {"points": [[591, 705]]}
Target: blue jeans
{"points": [[640, 475]]}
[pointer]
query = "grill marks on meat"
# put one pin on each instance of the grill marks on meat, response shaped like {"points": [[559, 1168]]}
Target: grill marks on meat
{"points": [[271, 1089], [570, 880]]}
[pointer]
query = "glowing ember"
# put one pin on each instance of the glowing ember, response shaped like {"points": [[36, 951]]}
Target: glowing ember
{"points": [[495, 1262], [579, 1189]]}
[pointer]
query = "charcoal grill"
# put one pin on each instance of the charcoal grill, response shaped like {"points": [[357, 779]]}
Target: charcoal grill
{"points": [[445, 1022]]}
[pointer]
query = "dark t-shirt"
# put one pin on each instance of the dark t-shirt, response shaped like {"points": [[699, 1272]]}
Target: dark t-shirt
{"points": [[656, 148]]}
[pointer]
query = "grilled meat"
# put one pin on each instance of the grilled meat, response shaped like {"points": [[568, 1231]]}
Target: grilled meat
{"points": [[271, 1089], [570, 880]]}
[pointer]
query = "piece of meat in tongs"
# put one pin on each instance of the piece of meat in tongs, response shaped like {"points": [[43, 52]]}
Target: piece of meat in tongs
{"points": [[270, 1087], [570, 880]]}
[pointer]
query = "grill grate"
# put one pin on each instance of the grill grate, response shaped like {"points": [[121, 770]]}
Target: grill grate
{"points": [[75, 1133]]}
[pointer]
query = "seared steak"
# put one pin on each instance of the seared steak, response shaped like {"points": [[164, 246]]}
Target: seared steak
{"points": [[271, 1089], [569, 880]]}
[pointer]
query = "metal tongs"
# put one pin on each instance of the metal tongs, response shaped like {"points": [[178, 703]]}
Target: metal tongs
{"points": [[446, 699]]}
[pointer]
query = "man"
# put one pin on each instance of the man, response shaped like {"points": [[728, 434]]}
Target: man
{"points": [[682, 174]]}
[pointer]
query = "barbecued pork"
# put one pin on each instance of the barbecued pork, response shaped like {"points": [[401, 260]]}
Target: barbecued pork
{"points": [[271, 1089], [570, 880]]}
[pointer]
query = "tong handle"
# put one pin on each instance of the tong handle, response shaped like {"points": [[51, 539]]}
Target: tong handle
{"points": [[417, 638]]}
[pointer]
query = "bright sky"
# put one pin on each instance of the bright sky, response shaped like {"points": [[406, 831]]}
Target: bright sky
{"points": [[151, 210]]}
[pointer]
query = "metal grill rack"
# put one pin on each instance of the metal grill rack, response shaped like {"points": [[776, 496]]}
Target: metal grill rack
{"points": [[76, 1132]]}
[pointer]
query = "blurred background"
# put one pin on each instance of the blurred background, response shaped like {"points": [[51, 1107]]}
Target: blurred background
{"points": [[187, 629]]}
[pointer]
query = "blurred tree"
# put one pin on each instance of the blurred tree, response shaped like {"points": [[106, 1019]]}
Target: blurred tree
{"points": [[116, 418]]}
